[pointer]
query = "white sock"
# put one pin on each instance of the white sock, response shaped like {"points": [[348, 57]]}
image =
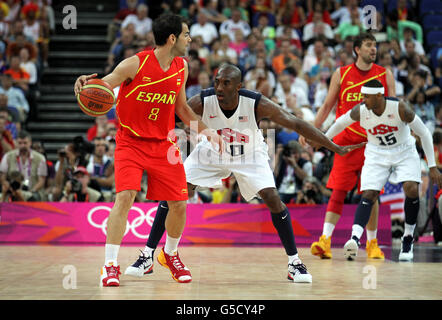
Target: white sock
{"points": [[328, 229], [294, 259], [371, 234], [111, 254], [409, 229], [148, 251], [171, 245], [357, 231]]}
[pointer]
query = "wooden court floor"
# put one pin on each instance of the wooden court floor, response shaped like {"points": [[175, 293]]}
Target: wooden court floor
{"points": [[219, 273]]}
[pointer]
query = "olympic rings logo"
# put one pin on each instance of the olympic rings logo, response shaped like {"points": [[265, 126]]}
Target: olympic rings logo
{"points": [[132, 226]]}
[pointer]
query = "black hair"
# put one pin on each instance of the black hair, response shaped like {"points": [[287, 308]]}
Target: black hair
{"points": [[373, 84], [359, 39], [165, 25], [23, 135]]}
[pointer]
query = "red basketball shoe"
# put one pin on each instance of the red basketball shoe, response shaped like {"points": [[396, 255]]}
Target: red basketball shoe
{"points": [[179, 271], [110, 276]]}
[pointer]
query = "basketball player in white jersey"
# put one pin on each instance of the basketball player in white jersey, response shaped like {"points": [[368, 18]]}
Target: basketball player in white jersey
{"points": [[234, 113], [390, 154]]}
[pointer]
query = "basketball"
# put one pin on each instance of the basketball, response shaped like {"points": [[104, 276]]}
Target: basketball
{"points": [[96, 98]]}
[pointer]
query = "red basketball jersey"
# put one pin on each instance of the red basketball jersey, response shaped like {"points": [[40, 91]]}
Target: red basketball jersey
{"points": [[146, 105], [350, 95]]}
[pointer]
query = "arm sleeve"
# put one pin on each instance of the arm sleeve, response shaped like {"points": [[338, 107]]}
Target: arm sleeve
{"points": [[427, 140], [341, 123]]}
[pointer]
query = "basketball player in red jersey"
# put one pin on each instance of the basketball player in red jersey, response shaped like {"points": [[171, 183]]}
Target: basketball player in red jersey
{"points": [[152, 91], [345, 93]]}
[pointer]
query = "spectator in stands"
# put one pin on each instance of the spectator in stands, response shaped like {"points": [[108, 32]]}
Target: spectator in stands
{"points": [[177, 7], [239, 43], [111, 150], [28, 66], [20, 78], [266, 31], [111, 130], [101, 169], [50, 15], [352, 28], [115, 25], [17, 28], [142, 23], [247, 56], [343, 14], [74, 154], [285, 58], [408, 35], [5, 113], [310, 192], [395, 27], [30, 163], [316, 27], [260, 78], [195, 67], [50, 178], [425, 110], [319, 52], [203, 83], [211, 9], [203, 51], [4, 25], [403, 11], [291, 13], [126, 41], [419, 80], [319, 6], [76, 189], [284, 32], [228, 54], [230, 26], [16, 98], [14, 10], [291, 97], [204, 28], [232, 5], [6, 139], [290, 170], [19, 43], [99, 129], [31, 23]]}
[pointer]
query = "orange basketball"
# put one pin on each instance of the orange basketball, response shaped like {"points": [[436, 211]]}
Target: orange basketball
{"points": [[96, 98]]}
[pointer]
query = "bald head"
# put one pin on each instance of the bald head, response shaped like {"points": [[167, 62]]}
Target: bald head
{"points": [[231, 70]]}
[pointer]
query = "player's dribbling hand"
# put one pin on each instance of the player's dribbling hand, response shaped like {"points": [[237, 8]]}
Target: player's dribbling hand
{"points": [[82, 81], [436, 176], [343, 150]]}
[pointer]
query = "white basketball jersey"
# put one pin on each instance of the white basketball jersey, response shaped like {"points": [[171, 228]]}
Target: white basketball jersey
{"points": [[387, 130], [240, 132]]}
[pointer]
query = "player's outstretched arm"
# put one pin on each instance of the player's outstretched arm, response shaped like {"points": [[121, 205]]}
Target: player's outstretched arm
{"points": [[270, 110], [344, 121], [126, 69], [407, 115], [187, 115], [329, 103]]}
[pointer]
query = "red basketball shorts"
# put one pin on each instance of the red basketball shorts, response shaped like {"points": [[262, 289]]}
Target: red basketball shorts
{"points": [[166, 179], [346, 169]]}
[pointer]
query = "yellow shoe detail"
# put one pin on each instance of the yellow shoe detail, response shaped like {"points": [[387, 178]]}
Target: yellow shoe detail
{"points": [[322, 248], [373, 250]]}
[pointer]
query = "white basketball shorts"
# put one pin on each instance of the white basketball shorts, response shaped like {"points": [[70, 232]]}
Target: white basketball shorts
{"points": [[205, 168], [396, 165]]}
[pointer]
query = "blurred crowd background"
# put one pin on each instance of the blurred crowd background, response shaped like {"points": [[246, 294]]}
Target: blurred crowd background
{"points": [[286, 49]]}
